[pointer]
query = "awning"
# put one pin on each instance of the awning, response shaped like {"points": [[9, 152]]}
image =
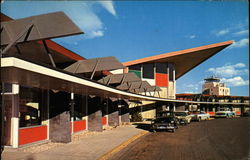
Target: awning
{"points": [[45, 26], [119, 78], [94, 65], [36, 75]]}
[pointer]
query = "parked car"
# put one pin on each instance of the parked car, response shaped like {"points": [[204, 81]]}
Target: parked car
{"points": [[183, 116], [246, 113], [224, 114], [164, 123], [198, 116]]}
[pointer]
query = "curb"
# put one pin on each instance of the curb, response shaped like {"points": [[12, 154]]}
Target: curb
{"points": [[121, 146]]}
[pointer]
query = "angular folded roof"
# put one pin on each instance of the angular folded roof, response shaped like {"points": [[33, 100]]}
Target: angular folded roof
{"points": [[184, 60], [119, 78], [41, 27], [95, 65]]}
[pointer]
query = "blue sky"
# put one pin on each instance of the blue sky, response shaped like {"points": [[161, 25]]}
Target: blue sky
{"points": [[132, 30]]}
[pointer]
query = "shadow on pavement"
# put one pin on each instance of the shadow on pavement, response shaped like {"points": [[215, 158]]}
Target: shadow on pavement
{"points": [[144, 126]]}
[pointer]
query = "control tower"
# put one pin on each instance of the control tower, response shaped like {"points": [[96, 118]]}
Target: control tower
{"points": [[213, 86]]}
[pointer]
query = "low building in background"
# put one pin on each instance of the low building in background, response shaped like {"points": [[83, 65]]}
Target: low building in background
{"points": [[213, 86]]}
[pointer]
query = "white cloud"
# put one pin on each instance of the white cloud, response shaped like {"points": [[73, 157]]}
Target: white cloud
{"points": [[109, 6], [96, 34], [239, 65], [235, 81], [240, 33], [191, 36], [222, 32], [241, 43], [229, 70]]}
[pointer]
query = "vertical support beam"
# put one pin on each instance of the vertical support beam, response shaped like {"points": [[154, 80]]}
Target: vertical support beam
{"points": [[49, 54], [119, 112], [72, 112], [174, 84], [110, 78], [48, 106], [15, 116], [168, 81], [93, 73], [174, 107], [2, 116], [87, 112]]}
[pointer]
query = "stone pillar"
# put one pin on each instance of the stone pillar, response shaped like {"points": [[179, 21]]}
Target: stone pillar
{"points": [[59, 126], [94, 114], [113, 113], [124, 112]]}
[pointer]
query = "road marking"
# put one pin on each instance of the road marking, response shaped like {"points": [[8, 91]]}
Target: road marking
{"points": [[122, 146]]}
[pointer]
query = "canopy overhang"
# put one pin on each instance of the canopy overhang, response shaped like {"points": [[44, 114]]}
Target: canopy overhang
{"points": [[37, 75], [184, 60]]}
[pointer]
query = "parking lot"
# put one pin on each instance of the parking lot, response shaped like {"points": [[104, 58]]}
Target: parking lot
{"points": [[217, 139]]}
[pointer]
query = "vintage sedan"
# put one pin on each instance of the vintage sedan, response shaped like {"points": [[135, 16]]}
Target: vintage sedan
{"points": [[183, 116], [198, 116], [224, 114], [164, 123]]}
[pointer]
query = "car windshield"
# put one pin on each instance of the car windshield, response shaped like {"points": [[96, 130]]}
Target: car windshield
{"points": [[180, 114], [163, 120]]}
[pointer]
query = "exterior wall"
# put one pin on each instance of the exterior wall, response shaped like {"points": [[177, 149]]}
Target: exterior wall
{"points": [[150, 81], [171, 90], [161, 79], [79, 125], [32, 134]]}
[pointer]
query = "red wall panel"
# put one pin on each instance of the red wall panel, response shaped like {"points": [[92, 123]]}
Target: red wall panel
{"points": [[79, 125], [104, 120], [161, 79], [33, 134]]}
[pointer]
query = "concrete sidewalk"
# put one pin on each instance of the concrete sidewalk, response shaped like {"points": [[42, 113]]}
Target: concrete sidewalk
{"points": [[90, 147]]}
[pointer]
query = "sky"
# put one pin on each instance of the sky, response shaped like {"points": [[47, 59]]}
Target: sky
{"points": [[131, 30]]}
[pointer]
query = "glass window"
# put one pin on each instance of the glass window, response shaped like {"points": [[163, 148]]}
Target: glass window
{"points": [[79, 107], [171, 72], [135, 67], [161, 68], [148, 70], [30, 104]]}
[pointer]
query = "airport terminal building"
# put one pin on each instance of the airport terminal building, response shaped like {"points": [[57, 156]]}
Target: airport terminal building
{"points": [[50, 92]]}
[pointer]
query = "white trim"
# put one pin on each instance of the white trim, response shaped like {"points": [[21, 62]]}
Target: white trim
{"points": [[15, 132], [18, 63]]}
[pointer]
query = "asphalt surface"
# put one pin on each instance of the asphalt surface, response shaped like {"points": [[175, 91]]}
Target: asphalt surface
{"points": [[218, 139]]}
